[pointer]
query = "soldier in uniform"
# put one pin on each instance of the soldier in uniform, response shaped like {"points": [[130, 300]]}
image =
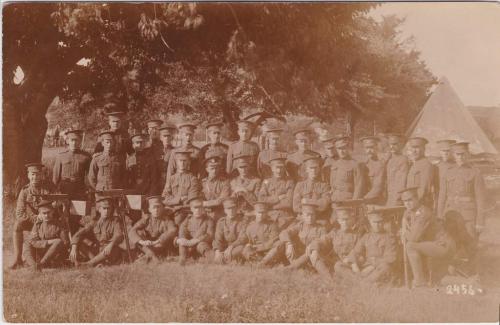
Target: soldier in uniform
{"points": [[446, 160], [99, 240], [422, 173], [396, 169], [186, 132], [246, 185], [346, 175], [214, 134], [375, 253], [335, 247], [154, 233], [196, 233], [27, 208], [260, 234], [107, 168], [229, 238], [329, 156], [117, 126], [71, 166], [48, 239], [464, 191], [294, 160], [167, 134], [374, 172], [312, 188], [216, 186], [181, 186], [155, 143], [273, 136], [294, 240], [142, 173], [277, 192], [425, 239], [244, 146]]}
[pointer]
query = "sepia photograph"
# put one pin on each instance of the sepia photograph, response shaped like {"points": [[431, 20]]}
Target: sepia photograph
{"points": [[251, 162]]}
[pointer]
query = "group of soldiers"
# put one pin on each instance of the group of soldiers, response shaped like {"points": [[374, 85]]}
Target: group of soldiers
{"points": [[328, 212]]}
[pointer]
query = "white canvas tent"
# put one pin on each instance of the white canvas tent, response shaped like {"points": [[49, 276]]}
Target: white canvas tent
{"points": [[444, 116]]}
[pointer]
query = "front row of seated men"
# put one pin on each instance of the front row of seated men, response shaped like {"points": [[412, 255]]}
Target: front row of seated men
{"points": [[353, 248]]}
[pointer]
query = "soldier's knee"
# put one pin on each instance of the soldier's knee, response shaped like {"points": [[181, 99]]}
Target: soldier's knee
{"points": [[57, 242], [202, 248], [18, 226]]}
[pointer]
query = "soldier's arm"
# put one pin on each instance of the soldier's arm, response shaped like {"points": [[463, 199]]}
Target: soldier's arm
{"points": [[34, 238], [273, 237], [324, 200], [443, 189], [241, 239], [219, 243], [390, 251], [297, 197], [194, 189], [357, 251], [426, 181], [480, 195], [133, 234], [263, 194], [92, 176], [287, 202], [419, 227], [183, 233], [171, 166], [56, 171], [378, 185], [208, 235], [64, 235], [359, 181], [170, 232], [117, 234], [21, 205], [169, 198], [81, 233], [229, 160], [287, 234], [401, 175]]}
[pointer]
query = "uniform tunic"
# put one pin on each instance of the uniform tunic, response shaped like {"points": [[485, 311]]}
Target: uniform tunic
{"points": [[374, 249], [346, 180], [219, 147], [442, 167], [195, 160], [70, 169], [198, 228], [376, 180], [337, 244], [107, 171], [229, 232], [301, 235], [142, 173], [239, 148], [162, 164], [27, 204], [327, 167], [42, 232], [250, 184], [422, 174], [270, 191], [149, 228], [294, 165], [263, 167], [180, 185], [216, 189], [123, 144], [397, 171], [102, 232], [317, 191], [263, 235]]}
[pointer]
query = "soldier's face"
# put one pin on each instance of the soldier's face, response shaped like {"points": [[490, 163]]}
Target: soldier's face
{"points": [[302, 143], [460, 158], [394, 147], [108, 144], [197, 208], [105, 209], [415, 152], [214, 135], [35, 176], [182, 164], [73, 143], [376, 224], [410, 201], [274, 142], [308, 215], [156, 209], [230, 211], [445, 155], [166, 138], [330, 152], [138, 143], [114, 123], [212, 168], [260, 215], [46, 214], [346, 222], [371, 151], [244, 132], [153, 131], [312, 170], [187, 136], [243, 170], [278, 169], [343, 152]]}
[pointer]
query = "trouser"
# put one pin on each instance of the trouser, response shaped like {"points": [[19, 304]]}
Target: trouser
{"points": [[21, 224], [96, 255], [369, 273], [463, 230], [251, 254], [236, 254], [200, 249], [52, 253], [429, 255]]}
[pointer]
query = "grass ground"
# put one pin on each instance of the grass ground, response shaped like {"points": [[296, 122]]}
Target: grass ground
{"points": [[210, 293]]}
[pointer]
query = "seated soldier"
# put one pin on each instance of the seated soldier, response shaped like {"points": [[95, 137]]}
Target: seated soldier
{"points": [[215, 186], [48, 239], [155, 232], [180, 186], [99, 239], [294, 240], [27, 208], [246, 185], [277, 191], [334, 248], [196, 233], [229, 234], [425, 239], [374, 254]]}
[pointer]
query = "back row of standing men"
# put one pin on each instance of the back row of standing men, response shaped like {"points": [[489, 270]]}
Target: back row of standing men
{"points": [[285, 182]]}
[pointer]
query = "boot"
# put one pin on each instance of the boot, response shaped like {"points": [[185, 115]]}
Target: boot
{"points": [[17, 240]]}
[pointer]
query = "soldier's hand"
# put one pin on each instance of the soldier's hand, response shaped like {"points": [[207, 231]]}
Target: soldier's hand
{"points": [[218, 257], [227, 253], [282, 197], [193, 242], [346, 261], [107, 250], [182, 241], [73, 254], [355, 267], [290, 251], [145, 243]]}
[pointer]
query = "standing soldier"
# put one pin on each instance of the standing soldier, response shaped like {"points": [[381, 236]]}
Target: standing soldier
{"points": [[446, 161], [374, 172], [214, 134], [196, 233], [186, 132], [27, 208], [181, 186], [396, 169], [246, 185], [155, 143], [294, 160], [422, 173], [167, 134], [229, 238], [142, 174], [273, 136], [244, 146], [117, 126], [329, 157], [107, 168], [464, 191], [277, 192], [71, 166], [216, 186], [48, 239], [424, 238], [346, 175], [312, 189]]}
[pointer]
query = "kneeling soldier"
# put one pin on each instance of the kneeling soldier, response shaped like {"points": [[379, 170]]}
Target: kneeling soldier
{"points": [[424, 238], [294, 240], [155, 232], [48, 239], [374, 255], [337, 245], [196, 232], [99, 240], [229, 234]]}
